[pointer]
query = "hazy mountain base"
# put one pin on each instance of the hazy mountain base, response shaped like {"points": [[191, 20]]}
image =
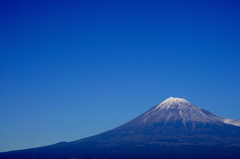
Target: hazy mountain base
{"points": [[160, 140], [167, 134], [129, 151]]}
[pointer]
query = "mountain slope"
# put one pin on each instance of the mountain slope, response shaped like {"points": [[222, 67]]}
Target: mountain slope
{"points": [[174, 128], [175, 121], [174, 109]]}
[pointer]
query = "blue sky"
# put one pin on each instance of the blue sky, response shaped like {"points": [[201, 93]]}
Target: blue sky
{"points": [[72, 69]]}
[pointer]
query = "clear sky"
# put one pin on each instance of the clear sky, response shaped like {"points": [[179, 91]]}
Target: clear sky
{"points": [[75, 68]]}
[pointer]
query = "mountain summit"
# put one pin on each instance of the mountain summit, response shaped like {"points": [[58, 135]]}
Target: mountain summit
{"points": [[178, 112], [174, 128], [173, 109]]}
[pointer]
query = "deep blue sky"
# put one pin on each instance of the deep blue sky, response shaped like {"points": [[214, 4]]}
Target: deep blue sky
{"points": [[72, 69]]}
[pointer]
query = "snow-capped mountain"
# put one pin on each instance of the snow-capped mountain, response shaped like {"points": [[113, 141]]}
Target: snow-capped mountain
{"points": [[177, 113], [174, 128], [173, 109]]}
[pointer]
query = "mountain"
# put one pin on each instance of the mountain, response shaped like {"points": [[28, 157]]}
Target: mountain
{"points": [[179, 109], [174, 128]]}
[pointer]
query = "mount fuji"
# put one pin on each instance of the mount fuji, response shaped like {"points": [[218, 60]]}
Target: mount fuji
{"points": [[174, 128], [179, 109]]}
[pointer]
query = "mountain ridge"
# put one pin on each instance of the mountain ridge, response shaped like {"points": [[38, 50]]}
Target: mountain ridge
{"points": [[174, 128], [173, 109]]}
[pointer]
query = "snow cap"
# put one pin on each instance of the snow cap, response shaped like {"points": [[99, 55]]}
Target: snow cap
{"points": [[174, 100]]}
